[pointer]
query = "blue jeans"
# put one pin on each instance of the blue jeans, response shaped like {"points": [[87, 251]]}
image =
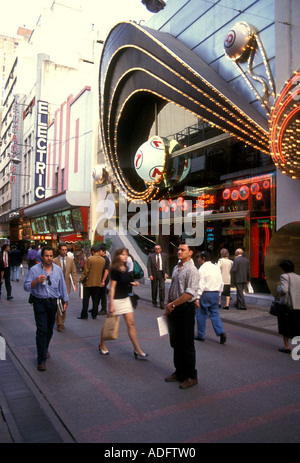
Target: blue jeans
{"points": [[14, 268], [209, 304], [44, 314]]}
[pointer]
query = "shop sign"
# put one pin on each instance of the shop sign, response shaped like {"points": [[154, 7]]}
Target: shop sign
{"points": [[28, 110], [44, 237], [15, 129], [41, 150]]}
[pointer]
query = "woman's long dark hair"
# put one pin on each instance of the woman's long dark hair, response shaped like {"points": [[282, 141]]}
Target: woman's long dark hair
{"points": [[116, 261]]}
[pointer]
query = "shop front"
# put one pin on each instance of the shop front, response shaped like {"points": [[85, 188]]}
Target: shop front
{"points": [[61, 218], [236, 214], [67, 226]]}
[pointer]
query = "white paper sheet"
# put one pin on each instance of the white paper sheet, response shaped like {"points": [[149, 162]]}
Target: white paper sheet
{"points": [[80, 290], [162, 326]]}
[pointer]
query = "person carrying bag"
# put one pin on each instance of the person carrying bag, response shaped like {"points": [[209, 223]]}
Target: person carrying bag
{"points": [[288, 304]]}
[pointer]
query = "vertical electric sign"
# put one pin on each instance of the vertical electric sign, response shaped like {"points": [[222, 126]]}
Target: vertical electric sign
{"points": [[41, 150]]}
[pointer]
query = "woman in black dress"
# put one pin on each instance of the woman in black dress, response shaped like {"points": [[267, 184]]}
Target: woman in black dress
{"points": [[120, 304]]}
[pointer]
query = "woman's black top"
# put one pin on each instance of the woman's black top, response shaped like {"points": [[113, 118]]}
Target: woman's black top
{"points": [[123, 280]]}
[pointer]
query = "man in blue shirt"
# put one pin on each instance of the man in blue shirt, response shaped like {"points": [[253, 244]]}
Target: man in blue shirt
{"points": [[45, 281]]}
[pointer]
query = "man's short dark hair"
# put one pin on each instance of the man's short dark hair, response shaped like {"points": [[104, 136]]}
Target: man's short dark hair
{"points": [[287, 266], [205, 255], [191, 248], [46, 248], [95, 248], [62, 245]]}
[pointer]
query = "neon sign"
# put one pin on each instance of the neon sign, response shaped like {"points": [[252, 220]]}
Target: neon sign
{"points": [[41, 150], [285, 128]]}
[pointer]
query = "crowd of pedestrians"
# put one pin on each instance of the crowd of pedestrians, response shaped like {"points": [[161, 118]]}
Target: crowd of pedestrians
{"points": [[195, 294]]}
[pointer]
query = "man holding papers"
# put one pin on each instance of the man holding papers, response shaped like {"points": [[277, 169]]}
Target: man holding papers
{"points": [[45, 282], [68, 267], [180, 311]]}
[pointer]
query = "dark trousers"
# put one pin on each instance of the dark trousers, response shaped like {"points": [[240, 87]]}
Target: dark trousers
{"points": [[44, 314], [103, 298], [6, 279], [93, 292], [240, 300], [181, 328], [158, 283]]}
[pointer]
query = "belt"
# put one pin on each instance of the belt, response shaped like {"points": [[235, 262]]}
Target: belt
{"points": [[47, 299]]}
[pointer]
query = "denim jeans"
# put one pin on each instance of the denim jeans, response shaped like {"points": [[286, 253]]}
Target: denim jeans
{"points": [[209, 304], [44, 313], [14, 268]]}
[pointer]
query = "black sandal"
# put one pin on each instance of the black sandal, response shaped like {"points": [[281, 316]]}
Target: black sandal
{"points": [[285, 351]]}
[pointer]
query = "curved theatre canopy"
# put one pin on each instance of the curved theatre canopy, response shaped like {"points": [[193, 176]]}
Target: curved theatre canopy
{"points": [[141, 69]]}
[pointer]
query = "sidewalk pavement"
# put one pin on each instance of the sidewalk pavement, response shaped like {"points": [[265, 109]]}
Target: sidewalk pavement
{"points": [[256, 317], [20, 389]]}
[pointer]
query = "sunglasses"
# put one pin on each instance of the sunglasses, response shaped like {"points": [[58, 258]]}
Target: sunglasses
{"points": [[49, 281]]}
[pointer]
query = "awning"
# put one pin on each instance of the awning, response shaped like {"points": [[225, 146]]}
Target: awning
{"points": [[70, 238], [58, 202]]}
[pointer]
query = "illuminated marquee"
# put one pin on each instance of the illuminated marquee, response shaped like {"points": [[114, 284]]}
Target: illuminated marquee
{"points": [[141, 70], [41, 150], [285, 128]]}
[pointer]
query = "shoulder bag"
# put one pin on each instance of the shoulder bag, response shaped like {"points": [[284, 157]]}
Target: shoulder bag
{"points": [[277, 308]]}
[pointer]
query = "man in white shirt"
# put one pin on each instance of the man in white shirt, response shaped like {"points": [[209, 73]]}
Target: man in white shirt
{"points": [[210, 287]]}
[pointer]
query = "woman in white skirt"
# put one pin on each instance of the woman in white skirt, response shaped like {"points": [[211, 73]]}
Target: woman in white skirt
{"points": [[120, 303]]}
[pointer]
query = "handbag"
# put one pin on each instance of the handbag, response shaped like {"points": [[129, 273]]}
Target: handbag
{"points": [[110, 330], [274, 309], [134, 299], [138, 272], [281, 309]]}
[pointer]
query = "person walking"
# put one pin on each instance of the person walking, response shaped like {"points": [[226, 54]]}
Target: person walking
{"points": [[240, 272], [32, 256], [5, 264], [92, 282], [15, 263], [157, 266], [68, 268], [289, 295], [180, 313], [119, 301], [225, 265], [105, 280], [210, 288], [46, 283]]}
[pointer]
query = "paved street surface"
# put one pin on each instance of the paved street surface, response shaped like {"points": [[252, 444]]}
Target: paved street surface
{"points": [[247, 392]]}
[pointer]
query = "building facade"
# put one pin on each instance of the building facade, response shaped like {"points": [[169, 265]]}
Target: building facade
{"points": [[50, 132], [225, 68]]}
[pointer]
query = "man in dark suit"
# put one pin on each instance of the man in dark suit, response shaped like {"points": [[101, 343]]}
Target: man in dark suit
{"points": [[5, 269], [68, 267], [157, 267], [240, 271]]}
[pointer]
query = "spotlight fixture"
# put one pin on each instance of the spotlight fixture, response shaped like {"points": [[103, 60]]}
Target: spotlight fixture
{"points": [[154, 6]]}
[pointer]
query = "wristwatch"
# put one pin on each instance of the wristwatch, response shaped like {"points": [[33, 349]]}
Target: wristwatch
{"points": [[173, 306]]}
